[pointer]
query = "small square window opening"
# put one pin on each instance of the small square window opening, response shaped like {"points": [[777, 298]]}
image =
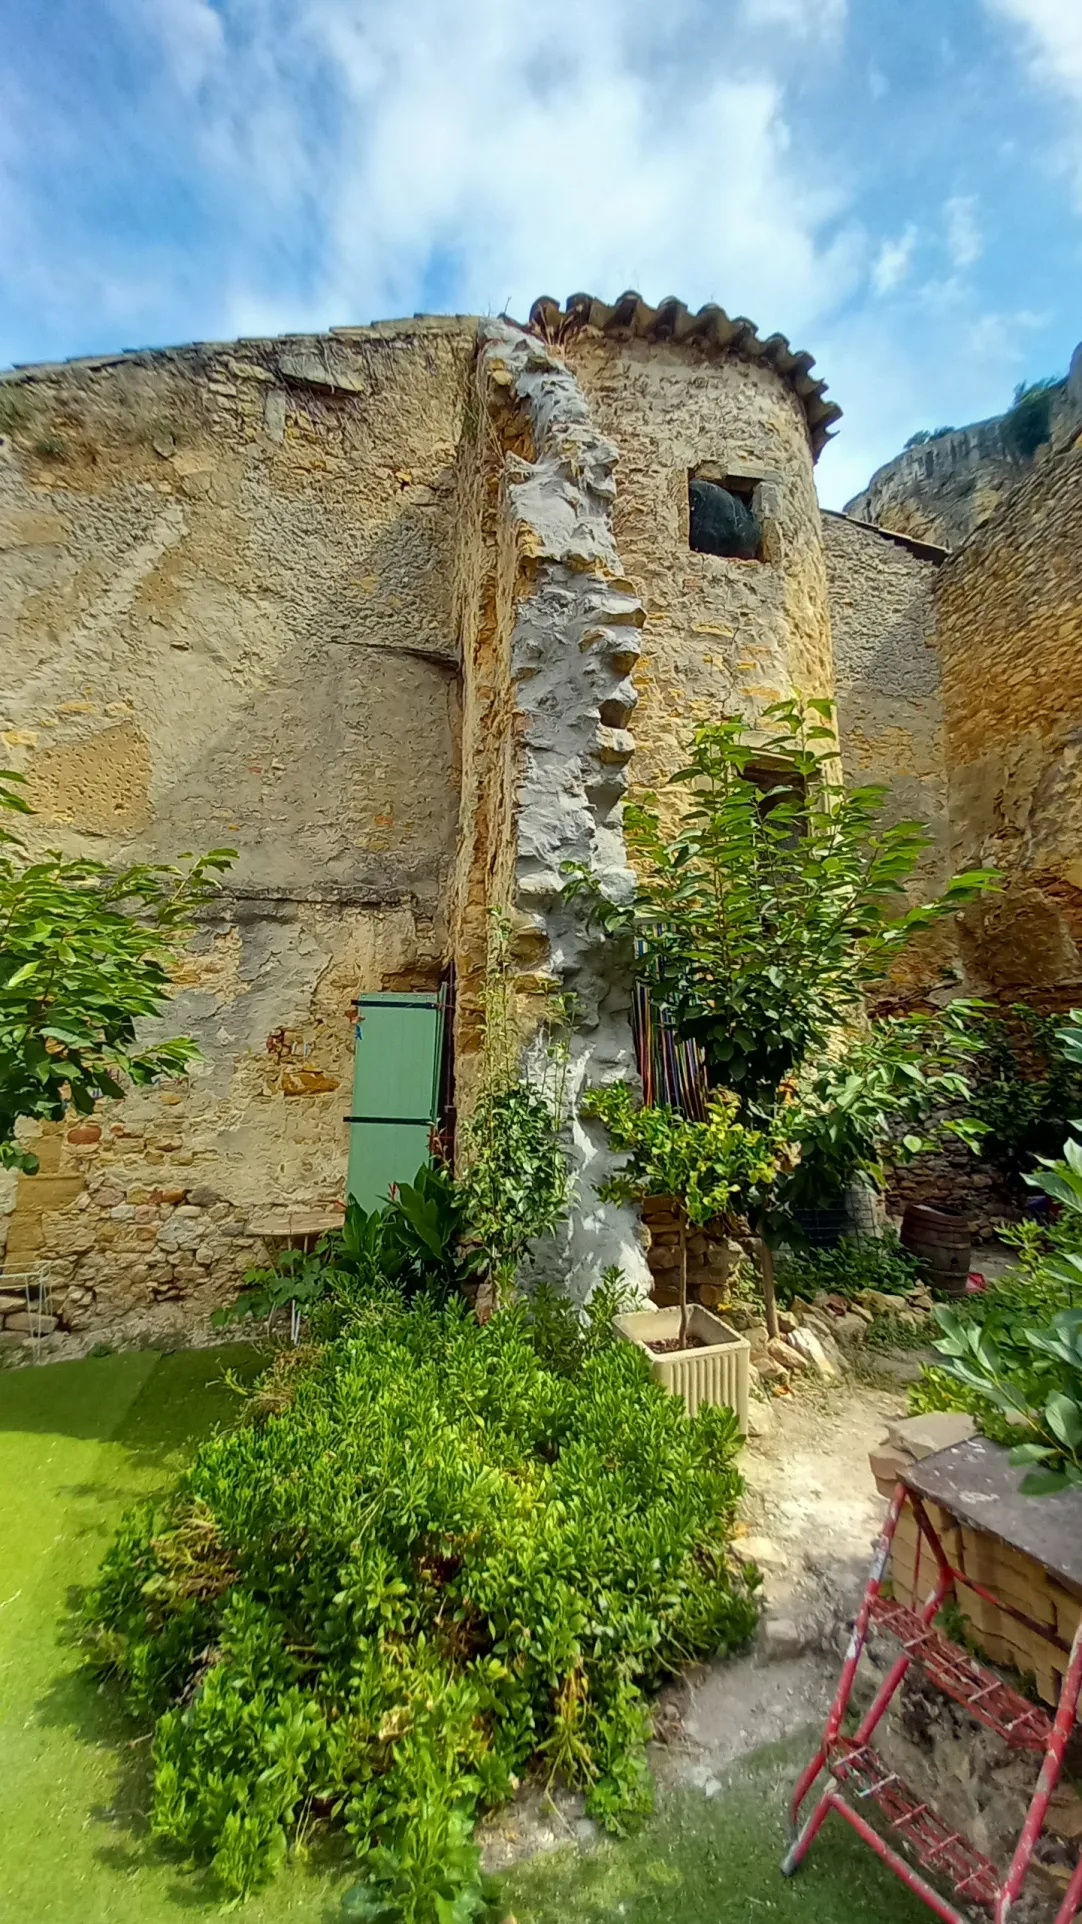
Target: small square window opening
{"points": [[779, 783], [724, 517]]}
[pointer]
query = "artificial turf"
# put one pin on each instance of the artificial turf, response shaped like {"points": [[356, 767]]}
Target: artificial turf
{"points": [[715, 1860], [78, 1443]]}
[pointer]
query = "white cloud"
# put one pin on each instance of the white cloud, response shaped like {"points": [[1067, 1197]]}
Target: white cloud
{"points": [[893, 261], [344, 160], [532, 147], [193, 36], [965, 242], [1052, 31], [799, 16], [1056, 30]]}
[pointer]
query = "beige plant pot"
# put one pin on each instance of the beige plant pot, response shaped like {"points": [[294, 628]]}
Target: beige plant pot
{"points": [[717, 1373]]}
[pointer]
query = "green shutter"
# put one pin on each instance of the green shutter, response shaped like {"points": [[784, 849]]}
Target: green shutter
{"points": [[396, 1088]]}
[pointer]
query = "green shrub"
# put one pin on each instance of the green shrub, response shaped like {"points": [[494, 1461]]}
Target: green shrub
{"points": [[1039, 1393], [858, 1262], [1028, 422], [1013, 1354], [432, 1559], [1025, 1087], [410, 1246]]}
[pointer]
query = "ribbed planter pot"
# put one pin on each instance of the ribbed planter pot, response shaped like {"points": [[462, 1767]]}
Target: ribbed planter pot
{"points": [[715, 1373]]}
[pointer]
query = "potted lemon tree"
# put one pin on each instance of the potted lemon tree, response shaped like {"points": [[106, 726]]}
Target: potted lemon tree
{"points": [[711, 1170]]}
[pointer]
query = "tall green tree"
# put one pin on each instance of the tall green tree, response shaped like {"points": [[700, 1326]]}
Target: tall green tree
{"points": [[760, 923], [781, 895], [86, 954]]}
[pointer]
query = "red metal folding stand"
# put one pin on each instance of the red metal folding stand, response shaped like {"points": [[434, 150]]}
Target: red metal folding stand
{"points": [[855, 1771]]}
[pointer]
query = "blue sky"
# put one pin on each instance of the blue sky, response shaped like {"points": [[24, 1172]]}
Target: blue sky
{"points": [[895, 184]]}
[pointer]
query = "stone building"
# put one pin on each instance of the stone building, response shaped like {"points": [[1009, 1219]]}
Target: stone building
{"points": [[959, 680], [397, 612]]}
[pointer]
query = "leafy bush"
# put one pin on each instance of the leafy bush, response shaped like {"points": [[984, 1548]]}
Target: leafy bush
{"points": [[86, 958], [1028, 422], [1045, 1283], [858, 1263], [1042, 1395], [1014, 1353], [516, 1184], [763, 918], [1026, 1088], [432, 1560], [923, 435], [890, 1092], [514, 1175], [410, 1245], [710, 1169]]}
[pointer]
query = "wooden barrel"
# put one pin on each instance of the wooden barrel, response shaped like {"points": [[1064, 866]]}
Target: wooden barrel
{"points": [[942, 1243]]}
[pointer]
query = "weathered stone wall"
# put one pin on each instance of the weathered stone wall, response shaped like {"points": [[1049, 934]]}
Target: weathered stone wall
{"points": [[238, 585], [226, 619], [1009, 637], [890, 706], [485, 585], [721, 636]]}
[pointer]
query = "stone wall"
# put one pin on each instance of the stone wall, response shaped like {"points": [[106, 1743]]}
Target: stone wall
{"points": [[713, 1259], [721, 636], [1009, 638], [890, 706], [226, 619], [375, 609]]}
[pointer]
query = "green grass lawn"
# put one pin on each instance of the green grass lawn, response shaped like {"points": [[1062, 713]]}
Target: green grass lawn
{"points": [[78, 1443], [715, 1861]]}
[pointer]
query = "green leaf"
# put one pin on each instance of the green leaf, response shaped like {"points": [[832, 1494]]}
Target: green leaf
{"points": [[1064, 1418], [1043, 1483], [368, 1904]]}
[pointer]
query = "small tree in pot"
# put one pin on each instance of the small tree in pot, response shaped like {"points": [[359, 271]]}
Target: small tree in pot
{"points": [[710, 1169]]}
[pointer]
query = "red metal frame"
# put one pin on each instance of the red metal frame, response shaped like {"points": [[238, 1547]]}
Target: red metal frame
{"points": [[854, 1768]]}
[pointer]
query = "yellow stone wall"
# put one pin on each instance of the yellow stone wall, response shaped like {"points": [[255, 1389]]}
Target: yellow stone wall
{"points": [[890, 708], [722, 636], [244, 594], [1009, 637], [226, 619]]}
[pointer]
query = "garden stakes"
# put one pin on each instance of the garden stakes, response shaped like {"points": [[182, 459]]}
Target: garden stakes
{"points": [[855, 1771], [36, 1286]]}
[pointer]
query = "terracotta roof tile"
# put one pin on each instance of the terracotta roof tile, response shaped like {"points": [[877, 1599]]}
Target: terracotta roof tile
{"points": [[631, 318]]}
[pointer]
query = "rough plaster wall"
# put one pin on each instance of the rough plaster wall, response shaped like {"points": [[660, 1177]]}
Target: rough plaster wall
{"points": [[890, 706], [721, 636], [225, 618], [573, 636], [1009, 633]]}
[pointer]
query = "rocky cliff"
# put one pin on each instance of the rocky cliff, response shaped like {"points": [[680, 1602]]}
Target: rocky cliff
{"points": [[943, 488]]}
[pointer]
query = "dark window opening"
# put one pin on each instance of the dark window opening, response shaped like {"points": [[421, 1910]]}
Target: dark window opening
{"points": [[776, 782], [724, 518], [779, 783]]}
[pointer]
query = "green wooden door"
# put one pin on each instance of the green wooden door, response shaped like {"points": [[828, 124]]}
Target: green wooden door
{"points": [[396, 1087]]}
